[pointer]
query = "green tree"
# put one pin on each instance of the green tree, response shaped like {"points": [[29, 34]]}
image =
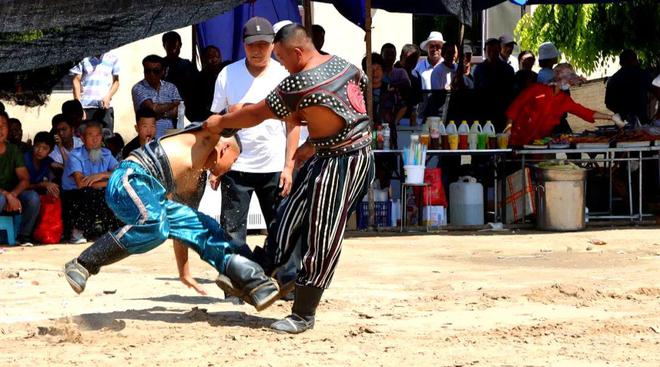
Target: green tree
{"points": [[590, 35]]}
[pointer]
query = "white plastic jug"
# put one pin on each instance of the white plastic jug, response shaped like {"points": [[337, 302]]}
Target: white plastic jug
{"points": [[489, 128], [464, 128], [441, 128], [466, 202], [451, 128], [476, 128]]}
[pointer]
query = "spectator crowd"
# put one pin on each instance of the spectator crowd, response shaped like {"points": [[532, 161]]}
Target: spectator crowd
{"points": [[73, 161]]}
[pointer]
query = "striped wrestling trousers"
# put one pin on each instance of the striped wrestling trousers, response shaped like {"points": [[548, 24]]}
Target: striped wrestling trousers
{"points": [[325, 193]]}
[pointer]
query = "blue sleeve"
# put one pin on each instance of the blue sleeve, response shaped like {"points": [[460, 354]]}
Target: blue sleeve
{"points": [[112, 162], [74, 164]]}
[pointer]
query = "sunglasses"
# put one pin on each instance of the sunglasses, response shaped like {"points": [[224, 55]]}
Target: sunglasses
{"points": [[152, 70]]}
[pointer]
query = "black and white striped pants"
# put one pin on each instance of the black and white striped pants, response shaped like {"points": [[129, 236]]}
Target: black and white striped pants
{"points": [[326, 191]]}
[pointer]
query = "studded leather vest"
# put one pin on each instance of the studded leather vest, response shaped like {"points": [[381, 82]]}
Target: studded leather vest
{"points": [[336, 84]]}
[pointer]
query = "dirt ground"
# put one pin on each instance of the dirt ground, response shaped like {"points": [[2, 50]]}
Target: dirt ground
{"points": [[524, 299]]}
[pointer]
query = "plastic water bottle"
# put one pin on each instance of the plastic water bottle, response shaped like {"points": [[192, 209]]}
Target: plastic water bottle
{"points": [[386, 137], [181, 116]]}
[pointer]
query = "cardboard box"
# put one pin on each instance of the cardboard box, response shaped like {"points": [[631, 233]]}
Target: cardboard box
{"points": [[514, 196]]}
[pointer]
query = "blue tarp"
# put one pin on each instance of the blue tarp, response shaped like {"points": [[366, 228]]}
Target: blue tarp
{"points": [[225, 30]]}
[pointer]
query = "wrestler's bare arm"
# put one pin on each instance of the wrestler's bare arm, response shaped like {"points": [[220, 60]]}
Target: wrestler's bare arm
{"points": [[248, 116]]}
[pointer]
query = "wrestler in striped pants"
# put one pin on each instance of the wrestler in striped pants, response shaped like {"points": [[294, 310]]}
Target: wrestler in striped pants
{"points": [[326, 191]]}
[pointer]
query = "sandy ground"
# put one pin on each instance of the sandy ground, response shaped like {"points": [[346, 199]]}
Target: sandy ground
{"points": [[525, 299]]}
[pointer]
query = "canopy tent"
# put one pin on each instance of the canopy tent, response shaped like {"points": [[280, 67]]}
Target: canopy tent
{"points": [[41, 39], [225, 30], [355, 11]]}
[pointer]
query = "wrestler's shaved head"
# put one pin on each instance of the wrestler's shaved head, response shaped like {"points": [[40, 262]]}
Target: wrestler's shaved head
{"points": [[294, 35], [293, 47], [234, 142]]}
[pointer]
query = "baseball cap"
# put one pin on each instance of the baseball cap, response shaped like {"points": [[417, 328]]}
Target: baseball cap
{"points": [[258, 29], [493, 41], [547, 50], [507, 38]]}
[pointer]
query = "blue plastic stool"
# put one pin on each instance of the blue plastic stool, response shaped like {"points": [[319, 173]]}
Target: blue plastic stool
{"points": [[9, 227]]}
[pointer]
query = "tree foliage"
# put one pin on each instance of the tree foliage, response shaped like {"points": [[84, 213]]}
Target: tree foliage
{"points": [[590, 35]]}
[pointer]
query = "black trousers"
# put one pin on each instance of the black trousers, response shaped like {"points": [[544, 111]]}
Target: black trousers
{"points": [[237, 188], [86, 210]]}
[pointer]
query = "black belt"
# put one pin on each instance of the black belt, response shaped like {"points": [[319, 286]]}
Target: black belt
{"points": [[153, 159]]}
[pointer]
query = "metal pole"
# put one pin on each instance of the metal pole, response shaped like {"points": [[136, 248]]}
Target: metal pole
{"points": [[370, 98], [307, 6]]}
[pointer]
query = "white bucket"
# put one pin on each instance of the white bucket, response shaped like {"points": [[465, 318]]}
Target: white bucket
{"points": [[414, 174]]}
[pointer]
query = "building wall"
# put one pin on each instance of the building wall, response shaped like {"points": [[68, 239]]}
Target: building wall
{"points": [[130, 55], [345, 39]]}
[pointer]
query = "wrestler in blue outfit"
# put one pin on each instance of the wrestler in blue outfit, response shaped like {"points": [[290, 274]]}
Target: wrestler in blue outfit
{"points": [[137, 193]]}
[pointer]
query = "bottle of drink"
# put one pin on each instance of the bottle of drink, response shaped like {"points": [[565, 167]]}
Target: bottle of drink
{"points": [[374, 138], [476, 139], [181, 116], [434, 131], [452, 135], [489, 129], [386, 137], [463, 131], [379, 138]]}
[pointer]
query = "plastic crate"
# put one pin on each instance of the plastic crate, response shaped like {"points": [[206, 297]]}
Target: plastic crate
{"points": [[383, 213]]}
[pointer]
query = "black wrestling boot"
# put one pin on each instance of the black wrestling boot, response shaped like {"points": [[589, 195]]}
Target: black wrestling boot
{"points": [[304, 310], [245, 279], [104, 251]]}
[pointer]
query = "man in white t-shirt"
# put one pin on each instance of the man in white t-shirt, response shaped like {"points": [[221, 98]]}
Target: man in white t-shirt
{"points": [[508, 43], [265, 165]]}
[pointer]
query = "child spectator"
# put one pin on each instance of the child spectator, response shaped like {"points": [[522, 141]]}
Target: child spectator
{"points": [[39, 165], [145, 126]]}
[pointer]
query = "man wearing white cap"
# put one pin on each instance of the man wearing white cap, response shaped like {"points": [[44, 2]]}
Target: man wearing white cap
{"points": [[432, 45], [548, 57], [507, 49]]}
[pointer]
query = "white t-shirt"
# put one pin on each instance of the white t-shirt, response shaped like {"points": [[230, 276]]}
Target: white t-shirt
{"points": [[57, 155], [264, 145], [441, 77], [423, 71]]}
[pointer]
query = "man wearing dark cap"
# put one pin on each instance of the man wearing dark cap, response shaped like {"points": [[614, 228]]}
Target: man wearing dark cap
{"points": [[508, 43], [265, 165]]}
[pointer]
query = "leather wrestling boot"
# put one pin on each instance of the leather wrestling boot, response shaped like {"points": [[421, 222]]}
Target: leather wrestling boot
{"points": [[245, 279], [304, 310], [104, 251]]}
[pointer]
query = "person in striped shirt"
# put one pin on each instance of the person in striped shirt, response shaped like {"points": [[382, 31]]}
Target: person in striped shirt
{"points": [[95, 82]]}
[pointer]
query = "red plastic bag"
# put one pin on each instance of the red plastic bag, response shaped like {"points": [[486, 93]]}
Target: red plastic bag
{"points": [[434, 194], [49, 228]]}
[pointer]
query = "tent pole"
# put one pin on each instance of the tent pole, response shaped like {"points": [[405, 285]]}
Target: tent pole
{"points": [[195, 59], [370, 100], [307, 9]]}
